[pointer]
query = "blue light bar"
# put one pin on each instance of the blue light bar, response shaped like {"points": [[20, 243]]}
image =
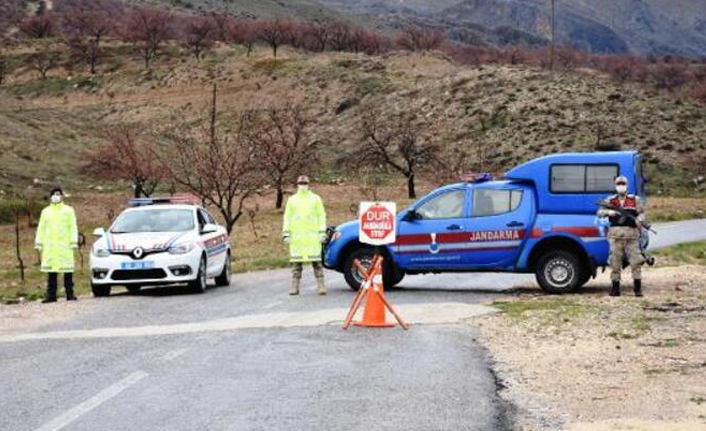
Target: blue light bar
{"points": [[476, 177]]}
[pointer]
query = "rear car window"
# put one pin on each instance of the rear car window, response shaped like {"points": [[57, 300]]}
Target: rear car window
{"points": [[581, 178], [495, 202]]}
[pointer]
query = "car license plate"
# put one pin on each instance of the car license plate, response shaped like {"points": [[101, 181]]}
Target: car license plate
{"points": [[137, 265]]}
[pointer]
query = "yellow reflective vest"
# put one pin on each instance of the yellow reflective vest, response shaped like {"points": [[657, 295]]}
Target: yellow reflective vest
{"points": [[57, 237], [304, 224]]}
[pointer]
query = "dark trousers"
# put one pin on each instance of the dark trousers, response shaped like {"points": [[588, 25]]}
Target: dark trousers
{"points": [[52, 281]]}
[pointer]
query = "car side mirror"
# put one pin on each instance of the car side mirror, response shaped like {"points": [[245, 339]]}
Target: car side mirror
{"points": [[99, 232], [412, 215], [209, 228]]}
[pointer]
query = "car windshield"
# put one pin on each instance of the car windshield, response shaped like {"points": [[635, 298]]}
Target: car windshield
{"points": [[161, 220]]}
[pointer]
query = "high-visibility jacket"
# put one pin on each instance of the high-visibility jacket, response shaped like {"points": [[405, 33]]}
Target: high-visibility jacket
{"points": [[304, 224], [57, 237]]}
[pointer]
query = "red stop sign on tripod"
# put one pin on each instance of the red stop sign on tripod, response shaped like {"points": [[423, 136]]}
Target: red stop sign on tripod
{"points": [[377, 223]]}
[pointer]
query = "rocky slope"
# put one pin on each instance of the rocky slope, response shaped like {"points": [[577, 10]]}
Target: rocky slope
{"points": [[524, 112]]}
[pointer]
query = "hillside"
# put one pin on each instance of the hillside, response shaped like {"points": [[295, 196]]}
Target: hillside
{"points": [[644, 27], [45, 127]]}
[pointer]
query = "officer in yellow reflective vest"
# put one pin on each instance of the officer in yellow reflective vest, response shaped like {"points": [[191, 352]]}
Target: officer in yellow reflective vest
{"points": [[304, 229], [56, 240]]}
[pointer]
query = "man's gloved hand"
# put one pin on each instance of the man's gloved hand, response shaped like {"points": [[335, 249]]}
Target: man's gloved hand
{"points": [[285, 239], [323, 238]]}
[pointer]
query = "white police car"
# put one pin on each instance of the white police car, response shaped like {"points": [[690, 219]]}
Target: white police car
{"points": [[160, 242]]}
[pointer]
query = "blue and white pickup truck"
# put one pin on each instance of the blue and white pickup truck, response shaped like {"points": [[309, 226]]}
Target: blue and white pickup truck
{"points": [[540, 218]]}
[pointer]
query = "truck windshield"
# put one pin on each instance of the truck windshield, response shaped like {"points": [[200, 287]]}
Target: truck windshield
{"points": [[151, 220]]}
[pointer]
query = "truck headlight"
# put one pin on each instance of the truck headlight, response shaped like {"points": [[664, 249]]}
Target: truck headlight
{"points": [[182, 248], [100, 252]]}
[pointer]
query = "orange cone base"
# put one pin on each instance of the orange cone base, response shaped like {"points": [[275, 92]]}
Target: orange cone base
{"points": [[375, 325]]}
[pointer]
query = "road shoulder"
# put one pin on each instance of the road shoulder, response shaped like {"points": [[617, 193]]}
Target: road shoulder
{"points": [[588, 362]]}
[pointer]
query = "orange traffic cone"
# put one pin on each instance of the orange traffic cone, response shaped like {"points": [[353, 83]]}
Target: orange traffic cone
{"points": [[374, 313]]}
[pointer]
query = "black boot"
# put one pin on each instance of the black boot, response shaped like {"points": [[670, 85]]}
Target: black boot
{"points": [[615, 289], [638, 287], [69, 286], [48, 299]]}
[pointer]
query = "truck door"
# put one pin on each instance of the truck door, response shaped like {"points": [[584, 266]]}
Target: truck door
{"points": [[498, 226], [430, 240]]}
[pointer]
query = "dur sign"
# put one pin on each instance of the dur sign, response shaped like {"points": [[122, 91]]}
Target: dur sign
{"points": [[378, 223]]}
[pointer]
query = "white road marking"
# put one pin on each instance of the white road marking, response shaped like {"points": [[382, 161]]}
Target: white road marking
{"points": [[272, 305], [170, 356], [112, 391], [435, 313]]}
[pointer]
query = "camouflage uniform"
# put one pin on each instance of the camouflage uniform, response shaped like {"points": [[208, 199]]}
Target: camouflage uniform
{"points": [[623, 238]]}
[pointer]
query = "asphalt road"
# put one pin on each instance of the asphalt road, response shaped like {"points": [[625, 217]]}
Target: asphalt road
{"points": [[249, 357]]}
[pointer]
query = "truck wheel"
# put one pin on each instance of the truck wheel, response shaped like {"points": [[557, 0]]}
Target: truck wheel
{"points": [[100, 290], [559, 272], [198, 285], [224, 278], [392, 275]]}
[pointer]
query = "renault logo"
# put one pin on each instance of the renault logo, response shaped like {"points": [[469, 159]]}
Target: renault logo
{"points": [[138, 252]]}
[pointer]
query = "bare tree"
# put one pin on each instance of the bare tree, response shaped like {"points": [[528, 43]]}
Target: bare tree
{"points": [[282, 137], [43, 60], [85, 50], [222, 25], [221, 170], [416, 38], [320, 32], [245, 33], [83, 32], [148, 30], [274, 33], [197, 36], [38, 27], [18, 253], [340, 35], [399, 143], [4, 69], [129, 155], [4, 65], [91, 24]]}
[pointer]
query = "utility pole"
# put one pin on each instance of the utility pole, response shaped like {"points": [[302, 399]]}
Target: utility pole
{"points": [[551, 59]]}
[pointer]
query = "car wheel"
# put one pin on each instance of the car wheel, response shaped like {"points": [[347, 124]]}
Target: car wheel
{"points": [[559, 272], [391, 274], [224, 278], [198, 285], [100, 290], [133, 288]]}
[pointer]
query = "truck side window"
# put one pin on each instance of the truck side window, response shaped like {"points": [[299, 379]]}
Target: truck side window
{"points": [[447, 205], [583, 178], [495, 202]]}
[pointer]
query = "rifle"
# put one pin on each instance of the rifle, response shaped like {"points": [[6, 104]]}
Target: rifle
{"points": [[624, 214]]}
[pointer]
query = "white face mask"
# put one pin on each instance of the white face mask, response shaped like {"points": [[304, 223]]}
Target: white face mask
{"points": [[621, 189], [303, 187], [55, 198]]}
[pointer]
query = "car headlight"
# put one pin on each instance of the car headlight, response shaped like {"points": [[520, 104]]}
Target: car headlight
{"points": [[182, 248], [100, 252]]}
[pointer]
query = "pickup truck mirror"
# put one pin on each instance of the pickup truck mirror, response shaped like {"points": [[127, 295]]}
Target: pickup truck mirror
{"points": [[98, 232], [412, 215]]}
